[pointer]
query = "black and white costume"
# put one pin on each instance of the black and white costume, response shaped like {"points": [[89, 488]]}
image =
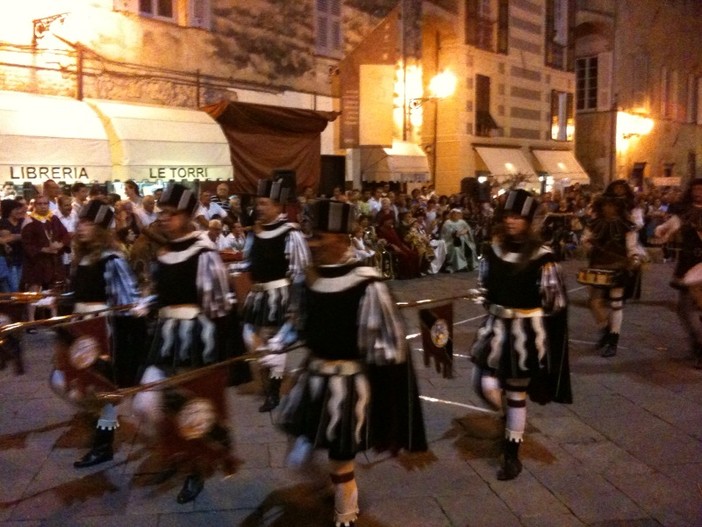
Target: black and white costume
{"points": [[276, 260], [520, 348], [358, 389]]}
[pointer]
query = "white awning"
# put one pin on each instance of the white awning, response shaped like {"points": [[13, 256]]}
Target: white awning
{"points": [[404, 162], [562, 166], [509, 166], [160, 143], [46, 137]]}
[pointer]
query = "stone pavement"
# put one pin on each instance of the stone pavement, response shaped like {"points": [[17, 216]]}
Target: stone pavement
{"points": [[626, 453]]}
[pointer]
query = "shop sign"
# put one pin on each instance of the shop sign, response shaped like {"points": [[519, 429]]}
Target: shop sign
{"points": [[40, 173], [178, 173]]}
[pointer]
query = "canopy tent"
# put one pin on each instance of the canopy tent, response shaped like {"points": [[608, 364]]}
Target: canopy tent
{"points": [[163, 143], [47, 137], [404, 162], [265, 138], [562, 166]]}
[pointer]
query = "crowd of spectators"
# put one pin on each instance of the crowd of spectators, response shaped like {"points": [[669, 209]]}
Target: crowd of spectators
{"points": [[406, 235]]}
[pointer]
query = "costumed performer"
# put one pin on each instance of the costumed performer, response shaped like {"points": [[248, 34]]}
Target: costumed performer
{"points": [[277, 259], [358, 389], [191, 291], [520, 348]]}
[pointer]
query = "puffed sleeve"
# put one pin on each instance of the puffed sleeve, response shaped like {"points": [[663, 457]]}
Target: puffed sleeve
{"points": [[213, 285], [381, 331]]}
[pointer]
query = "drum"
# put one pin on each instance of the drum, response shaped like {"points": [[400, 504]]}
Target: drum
{"points": [[597, 277]]}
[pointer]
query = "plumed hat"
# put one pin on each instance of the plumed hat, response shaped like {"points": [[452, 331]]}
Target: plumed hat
{"points": [[98, 212], [332, 216], [179, 197], [522, 203]]}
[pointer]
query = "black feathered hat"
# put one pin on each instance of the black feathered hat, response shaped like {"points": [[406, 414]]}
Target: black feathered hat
{"points": [[522, 203], [179, 197], [332, 216], [97, 211]]}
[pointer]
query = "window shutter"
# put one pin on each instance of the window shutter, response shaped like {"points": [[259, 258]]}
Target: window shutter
{"points": [[200, 14], [604, 81], [503, 27], [471, 22], [691, 107], [640, 81], [699, 98]]}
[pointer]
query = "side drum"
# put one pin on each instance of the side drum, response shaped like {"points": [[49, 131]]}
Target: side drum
{"points": [[597, 277]]}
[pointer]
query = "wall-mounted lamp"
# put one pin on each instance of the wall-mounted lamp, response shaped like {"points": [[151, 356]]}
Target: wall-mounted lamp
{"points": [[442, 85], [42, 25]]}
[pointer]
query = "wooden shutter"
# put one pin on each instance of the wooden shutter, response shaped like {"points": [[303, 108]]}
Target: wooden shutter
{"points": [[604, 81]]}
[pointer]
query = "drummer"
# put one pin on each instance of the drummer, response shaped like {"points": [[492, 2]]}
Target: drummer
{"points": [[102, 279], [611, 243]]}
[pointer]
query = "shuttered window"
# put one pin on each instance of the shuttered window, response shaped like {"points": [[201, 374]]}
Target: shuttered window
{"points": [[328, 35]]}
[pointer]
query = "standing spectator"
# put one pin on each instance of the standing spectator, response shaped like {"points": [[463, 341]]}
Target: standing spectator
{"points": [[8, 190], [79, 192], [126, 225], [146, 213], [69, 219], [521, 346], [221, 197], [131, 189], [14, 215], [44, 240], [51, 191], [222, 241]]}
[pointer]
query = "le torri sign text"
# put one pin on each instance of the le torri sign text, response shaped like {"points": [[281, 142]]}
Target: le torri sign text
{"points": [[178, 173], [69, 174]]}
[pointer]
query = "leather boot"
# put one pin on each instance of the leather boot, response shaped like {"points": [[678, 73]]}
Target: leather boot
{"points": [[272, 395], [604, 338], [101, 451], [192, 486], [511, 466], [611, 349]]}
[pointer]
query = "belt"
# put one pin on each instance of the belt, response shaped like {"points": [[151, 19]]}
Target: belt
{"points": [[182, 312], [88, 307], [268, 286], [334, 367], [508, 312]]}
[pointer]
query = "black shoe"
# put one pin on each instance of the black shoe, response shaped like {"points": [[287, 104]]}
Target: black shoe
{"points": [[95, 457], [191, 488], [269, 404], [510, 469], [603, 340], [612, 342], [609, 351], [272, 395]]}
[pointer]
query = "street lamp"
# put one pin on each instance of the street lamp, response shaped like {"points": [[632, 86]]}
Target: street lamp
{"points": [[441, 86]]}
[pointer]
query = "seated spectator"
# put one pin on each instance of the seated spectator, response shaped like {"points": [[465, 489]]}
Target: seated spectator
{"points": [[358, 243], [460, 243], [407, 258], [207, 210], [222, 241], [438, 246]]}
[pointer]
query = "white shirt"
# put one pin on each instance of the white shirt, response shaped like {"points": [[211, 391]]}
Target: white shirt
{"points": [[70, 222], [145, 218], [210, 212]]}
